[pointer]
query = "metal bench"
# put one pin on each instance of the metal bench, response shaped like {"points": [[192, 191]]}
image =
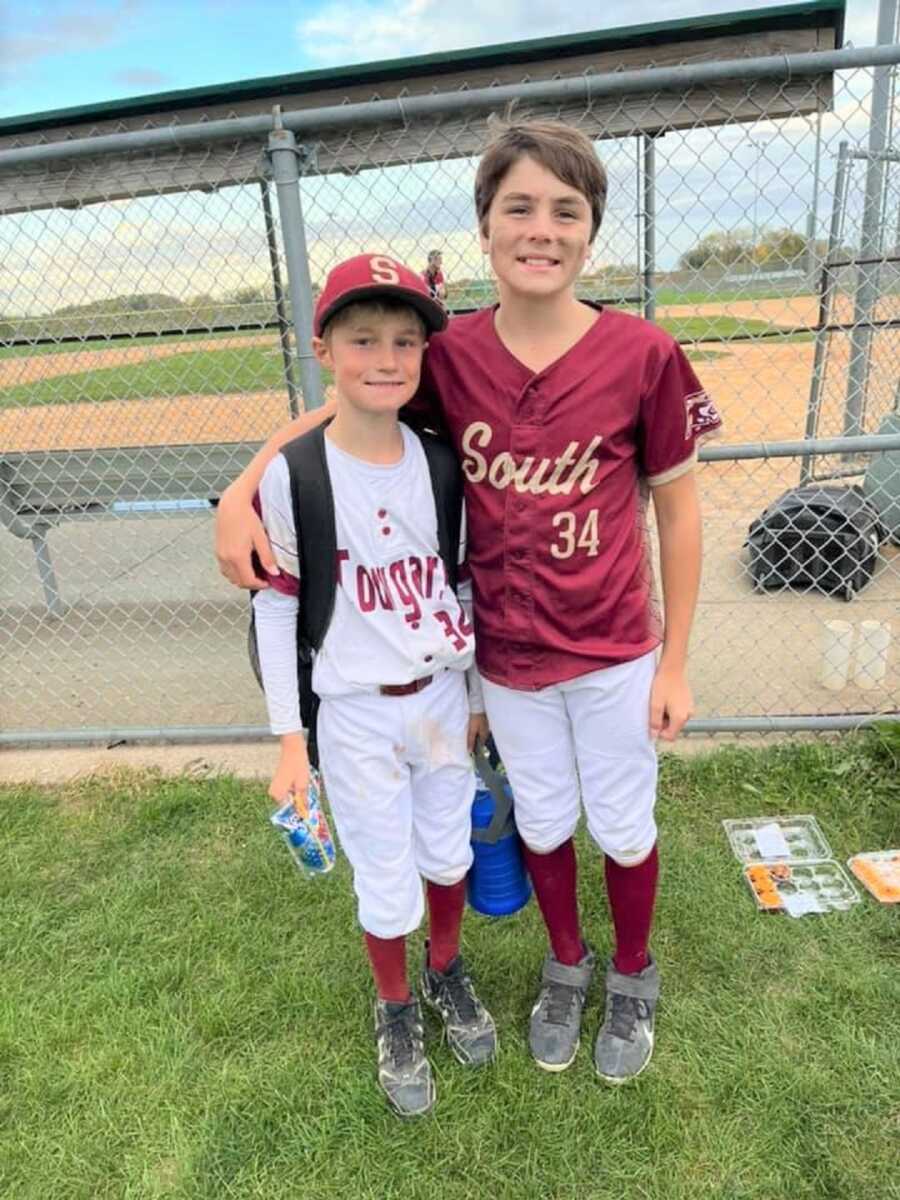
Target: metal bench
{"points": [[39, 489]]}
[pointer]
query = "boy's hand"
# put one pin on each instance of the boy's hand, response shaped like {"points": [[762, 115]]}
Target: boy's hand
{"points": [[478, 730], [240, 532], [291, 777], [671, 703]]}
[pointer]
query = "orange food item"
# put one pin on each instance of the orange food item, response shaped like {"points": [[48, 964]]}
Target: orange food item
{"points": [[764, 887], [881, 877]]}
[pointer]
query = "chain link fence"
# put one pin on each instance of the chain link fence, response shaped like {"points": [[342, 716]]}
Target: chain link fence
{"points": [[153, 281]]}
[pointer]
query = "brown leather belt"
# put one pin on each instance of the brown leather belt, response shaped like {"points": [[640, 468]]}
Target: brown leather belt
{"points": [[405, 689]]}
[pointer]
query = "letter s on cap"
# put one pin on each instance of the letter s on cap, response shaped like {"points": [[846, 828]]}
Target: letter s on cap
{"points": [[384, 270]]}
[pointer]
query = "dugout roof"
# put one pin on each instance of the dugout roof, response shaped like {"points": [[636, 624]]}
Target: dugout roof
{"points": [[789, 29]]}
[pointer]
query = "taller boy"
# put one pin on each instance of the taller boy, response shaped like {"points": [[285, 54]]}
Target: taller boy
{"points": [[566, 416]]}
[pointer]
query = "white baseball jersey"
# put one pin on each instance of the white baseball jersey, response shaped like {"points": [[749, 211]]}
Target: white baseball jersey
{"points": [[396, 617]]}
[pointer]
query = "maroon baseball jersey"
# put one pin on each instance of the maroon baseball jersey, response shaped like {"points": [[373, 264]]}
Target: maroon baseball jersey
{"points": [[557, 466], [434, 279]]}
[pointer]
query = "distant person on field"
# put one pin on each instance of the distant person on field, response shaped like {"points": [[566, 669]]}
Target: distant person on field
{"points": [[434, 276]]}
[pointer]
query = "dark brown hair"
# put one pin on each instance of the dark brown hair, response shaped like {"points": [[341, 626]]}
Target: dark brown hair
{"points": [[560, 148]]}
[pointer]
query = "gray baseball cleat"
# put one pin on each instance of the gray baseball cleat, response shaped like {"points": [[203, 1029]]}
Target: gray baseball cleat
{"points": [[625, 1041], [470, 1030], [404, 1072], [555, 1029]]}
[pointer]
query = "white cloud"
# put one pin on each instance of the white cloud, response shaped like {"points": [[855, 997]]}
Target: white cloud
{"points": [[358, 32], [364, 31], [68, 29], [140, 77]]}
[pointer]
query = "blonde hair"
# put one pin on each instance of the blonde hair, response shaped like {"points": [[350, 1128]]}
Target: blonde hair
{"points": [[382, 307]]}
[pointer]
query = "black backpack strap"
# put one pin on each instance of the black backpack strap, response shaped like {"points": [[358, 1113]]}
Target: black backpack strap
{"points": [[312, 502], [446, 483]]}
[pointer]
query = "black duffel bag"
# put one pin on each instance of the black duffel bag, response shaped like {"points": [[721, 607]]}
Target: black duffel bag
{"points": [[823, 538]]}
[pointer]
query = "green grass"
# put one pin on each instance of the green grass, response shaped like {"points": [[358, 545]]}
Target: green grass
{"points": [[182, 1017], [113, 344], [253, 368], [666, 295], [202, 372], [700, 329]]}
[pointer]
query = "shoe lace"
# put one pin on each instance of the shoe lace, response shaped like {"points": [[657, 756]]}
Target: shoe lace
{"points": [[400, 1032], [626, 1012], [560, 998], [458, 989]]}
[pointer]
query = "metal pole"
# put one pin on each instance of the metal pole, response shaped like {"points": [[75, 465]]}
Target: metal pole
{"points": [[233, 733], [280, 310], [285, 155], [820, 353], [47, 575], [756, 143], [649, 226], [871, 239], [873, 443], [314, 122], [813, 215]]}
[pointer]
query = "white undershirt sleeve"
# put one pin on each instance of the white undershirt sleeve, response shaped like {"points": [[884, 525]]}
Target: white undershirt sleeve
{"points": [[276, 640]]}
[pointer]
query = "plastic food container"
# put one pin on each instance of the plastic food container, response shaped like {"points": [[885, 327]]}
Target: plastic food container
{"points": [[788, 865]]}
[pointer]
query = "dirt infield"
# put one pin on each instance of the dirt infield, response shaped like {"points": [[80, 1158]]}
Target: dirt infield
{"points": [[762, 388]]}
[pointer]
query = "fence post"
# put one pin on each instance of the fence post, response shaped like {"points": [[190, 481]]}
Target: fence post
{"points": [[278, 288], [871, 243], [649, 281], [285, 155], [826, 286]]}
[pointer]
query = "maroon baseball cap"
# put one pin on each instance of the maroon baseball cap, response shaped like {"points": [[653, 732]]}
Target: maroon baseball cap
{"points": [[369, 277]]}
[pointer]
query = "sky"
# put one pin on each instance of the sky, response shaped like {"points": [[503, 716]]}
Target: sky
{"points": [[61, 53], [57, 54]]}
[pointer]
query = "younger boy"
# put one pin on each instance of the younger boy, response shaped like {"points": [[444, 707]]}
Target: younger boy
{"points": [[566, 416], [394, 725]]}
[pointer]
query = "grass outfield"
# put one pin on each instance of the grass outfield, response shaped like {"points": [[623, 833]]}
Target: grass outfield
{"points": [[254, 368], [113, 344], [182, 1017], [235, 370]]}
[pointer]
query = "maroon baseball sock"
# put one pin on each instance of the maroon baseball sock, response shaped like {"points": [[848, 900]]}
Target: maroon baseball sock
{"points": [[387, 957], [631, 892], [554, 876], [445, 911]]}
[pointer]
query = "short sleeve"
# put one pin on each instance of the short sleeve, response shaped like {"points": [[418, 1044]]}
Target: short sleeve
{"points": [[273, 503], [676, 415]]}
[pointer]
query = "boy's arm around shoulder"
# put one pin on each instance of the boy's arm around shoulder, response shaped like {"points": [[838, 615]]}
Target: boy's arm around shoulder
{"points": [[239, 533]]}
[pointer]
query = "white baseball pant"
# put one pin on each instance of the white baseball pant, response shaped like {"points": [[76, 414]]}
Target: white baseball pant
{"points": [[594, 729], [400, 784]]}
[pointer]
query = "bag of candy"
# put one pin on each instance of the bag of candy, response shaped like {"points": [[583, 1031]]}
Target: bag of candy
{"points": [[307, 838]]}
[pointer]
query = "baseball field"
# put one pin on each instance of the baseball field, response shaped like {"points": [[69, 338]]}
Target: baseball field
{"points": [[231, 388], [144, 597]]}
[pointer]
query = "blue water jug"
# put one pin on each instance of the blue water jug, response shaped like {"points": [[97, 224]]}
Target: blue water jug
{"points": [[498, 883]]}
